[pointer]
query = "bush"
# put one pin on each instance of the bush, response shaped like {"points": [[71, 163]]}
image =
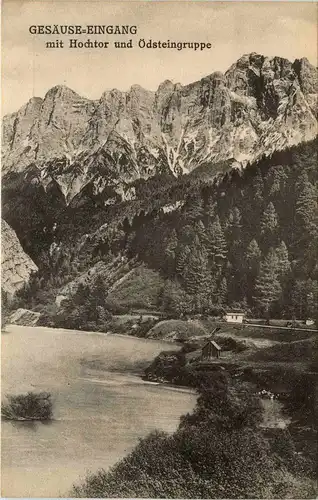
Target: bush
{"points": [[30, 406]]}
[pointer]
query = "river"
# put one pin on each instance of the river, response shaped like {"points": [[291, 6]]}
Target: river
{"points": [[101, 405]]}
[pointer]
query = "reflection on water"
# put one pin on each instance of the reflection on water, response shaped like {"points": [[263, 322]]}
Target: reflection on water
{"points": [[29, 425], [100, 411]]}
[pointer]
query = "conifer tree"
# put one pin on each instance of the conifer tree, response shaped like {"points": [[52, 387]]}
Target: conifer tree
{"points": [[234, 236], [253, 201], [269, 226], [216, 243], [170, 252], [182, 258], [200, 231], [222, 292], [210, 211], [210, 289], [283, 264], [174, 299], [269, 220], [306, 210], [98, 292], [277, 178], [257, 186], [196, 272], [267, 287], [232, 224], [187, 235], [194, 209], [298, 299], [252, 260], [253, 257]]}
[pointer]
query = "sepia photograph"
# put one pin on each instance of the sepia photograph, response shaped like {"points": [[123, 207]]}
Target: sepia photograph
{"points": [[159, 249]]}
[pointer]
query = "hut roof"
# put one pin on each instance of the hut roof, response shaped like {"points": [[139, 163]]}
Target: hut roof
{"points": [[235, 311], [214, 344]]}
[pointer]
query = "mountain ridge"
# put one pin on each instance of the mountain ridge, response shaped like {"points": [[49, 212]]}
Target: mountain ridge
{"points": [[297, 62], [257, 106]]}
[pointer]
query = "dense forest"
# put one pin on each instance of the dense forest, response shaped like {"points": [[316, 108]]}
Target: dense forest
{"points": [[249, 240], [243, 238]]}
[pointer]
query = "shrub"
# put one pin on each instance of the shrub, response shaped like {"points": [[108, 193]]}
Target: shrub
{"points": [[30, 406]]}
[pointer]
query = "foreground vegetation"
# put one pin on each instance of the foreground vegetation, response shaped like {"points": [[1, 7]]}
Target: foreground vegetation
{"points": [[30, 406], [287, 370], [218, 451]]}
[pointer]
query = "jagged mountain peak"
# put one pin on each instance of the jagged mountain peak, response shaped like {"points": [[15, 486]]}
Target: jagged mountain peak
{"points": [[62, 91], [260, 104], [166, 85], [138, 88]]}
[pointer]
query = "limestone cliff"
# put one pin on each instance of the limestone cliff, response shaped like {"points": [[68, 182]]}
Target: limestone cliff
{"points": [[16, 265]]}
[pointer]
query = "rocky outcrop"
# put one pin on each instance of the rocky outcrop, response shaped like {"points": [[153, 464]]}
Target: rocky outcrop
{"points": [[24, 317], [259, 105], [16, 264]]}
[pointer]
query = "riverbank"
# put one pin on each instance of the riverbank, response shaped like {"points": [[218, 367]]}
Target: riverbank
{"points": [[283, 374], [99, 414]]}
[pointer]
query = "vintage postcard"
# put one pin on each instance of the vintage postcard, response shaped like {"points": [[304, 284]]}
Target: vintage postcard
{"points": [[159, 249]]}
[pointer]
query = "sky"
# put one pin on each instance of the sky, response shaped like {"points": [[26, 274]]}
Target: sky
{"points": [[285, 29]]}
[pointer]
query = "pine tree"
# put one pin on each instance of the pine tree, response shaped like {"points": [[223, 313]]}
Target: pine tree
{"points": [[82, 295], [187, 235], [210, 290], [196, 271], [234, 219], [200, 231], [283, 264], [269, 220], [170, 252], [233, 227], [174, 298], [298, 299], [216, 243], [253, 257], [182, 258], [269, 226], [98, 292], [257, 187], [267, 287], [234, 237], [253, 196], [251, 266], [306, 210], [277, 178], [222, 292], [210, 211], [194, 209]]}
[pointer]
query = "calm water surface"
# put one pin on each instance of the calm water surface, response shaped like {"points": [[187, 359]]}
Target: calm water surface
{"points": [[101, 406]]}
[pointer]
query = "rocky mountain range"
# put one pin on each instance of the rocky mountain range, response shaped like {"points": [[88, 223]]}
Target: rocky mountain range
{"points": [[64, 151], [259, 105]]}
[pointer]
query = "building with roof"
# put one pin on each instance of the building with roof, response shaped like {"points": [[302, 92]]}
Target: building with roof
{"points": [[234, 316], [210, 350]]}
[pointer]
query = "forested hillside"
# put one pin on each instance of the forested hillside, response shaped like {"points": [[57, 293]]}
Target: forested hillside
{"points": [[247, 238]]}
